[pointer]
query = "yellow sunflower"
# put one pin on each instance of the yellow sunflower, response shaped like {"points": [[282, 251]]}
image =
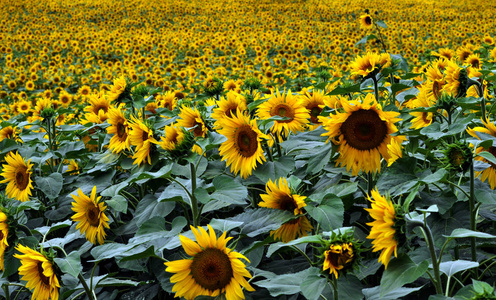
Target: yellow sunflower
{"points": [[366, 21], [314, 102], [363, 133], [4, 233], [227, 107], [119, 129], [142, 137], [96, 111], [39, 274], [167, 100], [212, 270], [174, 136], [382, 231], [243, 149], [422, 119], [452, 74], [284, 105], [90, 216], [73, 167], [337, 257], [24, 106], [369, 63], [280, 196], [17, 174], [190, 118], [117, 88], [11, 133], [489, 173]]}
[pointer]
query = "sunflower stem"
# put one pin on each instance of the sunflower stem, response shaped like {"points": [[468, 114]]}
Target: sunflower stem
{"points": [[194, 201], [334, 283], [376, 88], [87, 289], [472, 210], [5, 288], [370, 182]]}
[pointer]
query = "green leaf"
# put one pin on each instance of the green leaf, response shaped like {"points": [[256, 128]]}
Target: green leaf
{"points": [[374, 293], [148, 207], [110, 250], [275, 169], [450, 268], [313, 284], [303, 240], [320, 159], [71, 264], [51, 185], [398, 87], [435, 177], [224, 225], [381, 24], [481, 287], [142, 177], [47, 229], [488, 156], [464, 233], [401, 271], [227, 192], [118, 203], [287, 284], [345, 90], [329, 213], [262, 220], [116, 282], [349, 287], [365, 39]]}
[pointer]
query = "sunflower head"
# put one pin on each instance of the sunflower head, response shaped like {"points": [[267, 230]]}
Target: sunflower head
{"points": [[457, 157], [366, 21], [340, 253], [4, 234], [211, 270], [17, 174]]}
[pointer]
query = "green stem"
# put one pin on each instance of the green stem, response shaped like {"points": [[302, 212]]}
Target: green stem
{"points": [[304, 255], [471, 205], [194, 201], [334, 283], [87, 289], [376, 88], [5, 288], [370, 182]]}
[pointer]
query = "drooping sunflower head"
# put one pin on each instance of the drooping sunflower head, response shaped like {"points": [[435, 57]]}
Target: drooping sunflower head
{"points": [[341, 253], [366, 21], [457, 157], [285, 105], [314, 102], [337, 257], [11, 133], [363, 132], [387, 227], [119, 90], [174, 137], [242, 149], [90, 216], [38, 272], [141, 135], [212, 270], [17, 175], [192, 119], [369, 64]]}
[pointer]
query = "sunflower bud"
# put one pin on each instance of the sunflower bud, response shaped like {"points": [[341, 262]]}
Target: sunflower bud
{"points": [[48, 113], [213, 87], [340, 254], [457, 157]]}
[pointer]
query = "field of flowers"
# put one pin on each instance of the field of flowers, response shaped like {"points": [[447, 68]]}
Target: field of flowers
{"points": [[247, 149]]}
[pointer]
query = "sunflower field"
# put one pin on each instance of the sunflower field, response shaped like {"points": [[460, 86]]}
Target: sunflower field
{"points": [[235, 149]]}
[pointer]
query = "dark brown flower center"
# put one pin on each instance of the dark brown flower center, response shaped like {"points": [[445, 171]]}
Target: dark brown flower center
{"points": [[212, 269], [144, 135], [364, 130], [368, 20], [43, 278], [315, 111], [198, 131], [492, 150], [93, 215], [283, 110], [22, 178], [121, 130], [246, 141], [287, 203]]}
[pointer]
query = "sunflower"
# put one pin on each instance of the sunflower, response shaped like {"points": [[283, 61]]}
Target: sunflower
{"points": [[11, 133], [24, 106], [142, 137], [17, 174], [4, 233], [363, 133], [337, 257], [489, 173], [284, 105], [73, 167], [383, 230], [192, 119], [174, 136], [117, 89], [119, 129], [90, 216], [422, 118], [167, 100], [227, 107], [474, 60], [212, 270], [444, 52], [242, 149], [366, 21], [39, 274], [96, 111], [280, 196], [314, 102], [369, 64], [452, 75]]}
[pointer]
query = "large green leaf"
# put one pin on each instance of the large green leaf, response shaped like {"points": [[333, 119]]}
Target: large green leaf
{"points": [[464, 233], [450, 268], [148, 207], [287, 284], [303, 240], [275, 169], [227, 192], [401, 271], [313, 284], [71, 264], [329, 213], [50, 185], [375, 293], [262, 220]]}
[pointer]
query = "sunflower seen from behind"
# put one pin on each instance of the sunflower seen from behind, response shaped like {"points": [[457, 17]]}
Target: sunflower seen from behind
{"points": [[39, 273], [363, 132], [212, 269], [384, 231], [17, 174], [243, 148], [90, 216], [4, 233], [280, 196]]}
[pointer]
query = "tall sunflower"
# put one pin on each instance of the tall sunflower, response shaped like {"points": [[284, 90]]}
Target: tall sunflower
{"points": [[363, 133], [39, 273], [383, 230], [422, 118], [284, 105], [280, 196], [90, 215], [212, 270], [4, 233], [191, 118], [489, 173], [142, 137], [119, 129], [243, 149], [17, 174], [174, 136], [366, 21]]}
